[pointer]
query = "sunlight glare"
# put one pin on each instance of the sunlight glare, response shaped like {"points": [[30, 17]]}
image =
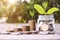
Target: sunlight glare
{"points": [[12, 1]]}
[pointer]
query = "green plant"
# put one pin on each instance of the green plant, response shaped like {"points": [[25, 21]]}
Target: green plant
{"points": [[45, 4], [32, 14], [42, 9]]}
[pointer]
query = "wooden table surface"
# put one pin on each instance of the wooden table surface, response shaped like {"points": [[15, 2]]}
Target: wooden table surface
{"points": [[31, 36]]}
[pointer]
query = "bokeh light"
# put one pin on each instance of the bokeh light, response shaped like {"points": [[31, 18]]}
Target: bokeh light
{"points": [[12, 1]]}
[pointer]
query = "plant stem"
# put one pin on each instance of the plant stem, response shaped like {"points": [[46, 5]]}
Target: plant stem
{"points": [[45, 17]]}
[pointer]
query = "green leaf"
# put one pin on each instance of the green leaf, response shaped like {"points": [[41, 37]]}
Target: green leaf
{"points": [[52, 10], [39, 9], [45, 4], [24, 21], [32, 13]]}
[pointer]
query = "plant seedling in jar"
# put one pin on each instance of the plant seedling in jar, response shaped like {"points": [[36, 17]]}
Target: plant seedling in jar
{"points": [[42, 10]]}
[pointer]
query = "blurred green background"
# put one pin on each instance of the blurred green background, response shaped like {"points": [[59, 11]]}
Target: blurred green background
{"points": [[20, 11]]}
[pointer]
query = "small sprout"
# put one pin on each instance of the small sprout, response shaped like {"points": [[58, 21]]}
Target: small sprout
{"points": [[24, 21], [45, 4], [41, 10], [32, 13]]}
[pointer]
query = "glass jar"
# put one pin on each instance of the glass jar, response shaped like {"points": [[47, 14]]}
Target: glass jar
{"points": [[45, 23]]}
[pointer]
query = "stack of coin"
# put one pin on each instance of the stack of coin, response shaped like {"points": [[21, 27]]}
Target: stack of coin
{"points": [[32, 25]]}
